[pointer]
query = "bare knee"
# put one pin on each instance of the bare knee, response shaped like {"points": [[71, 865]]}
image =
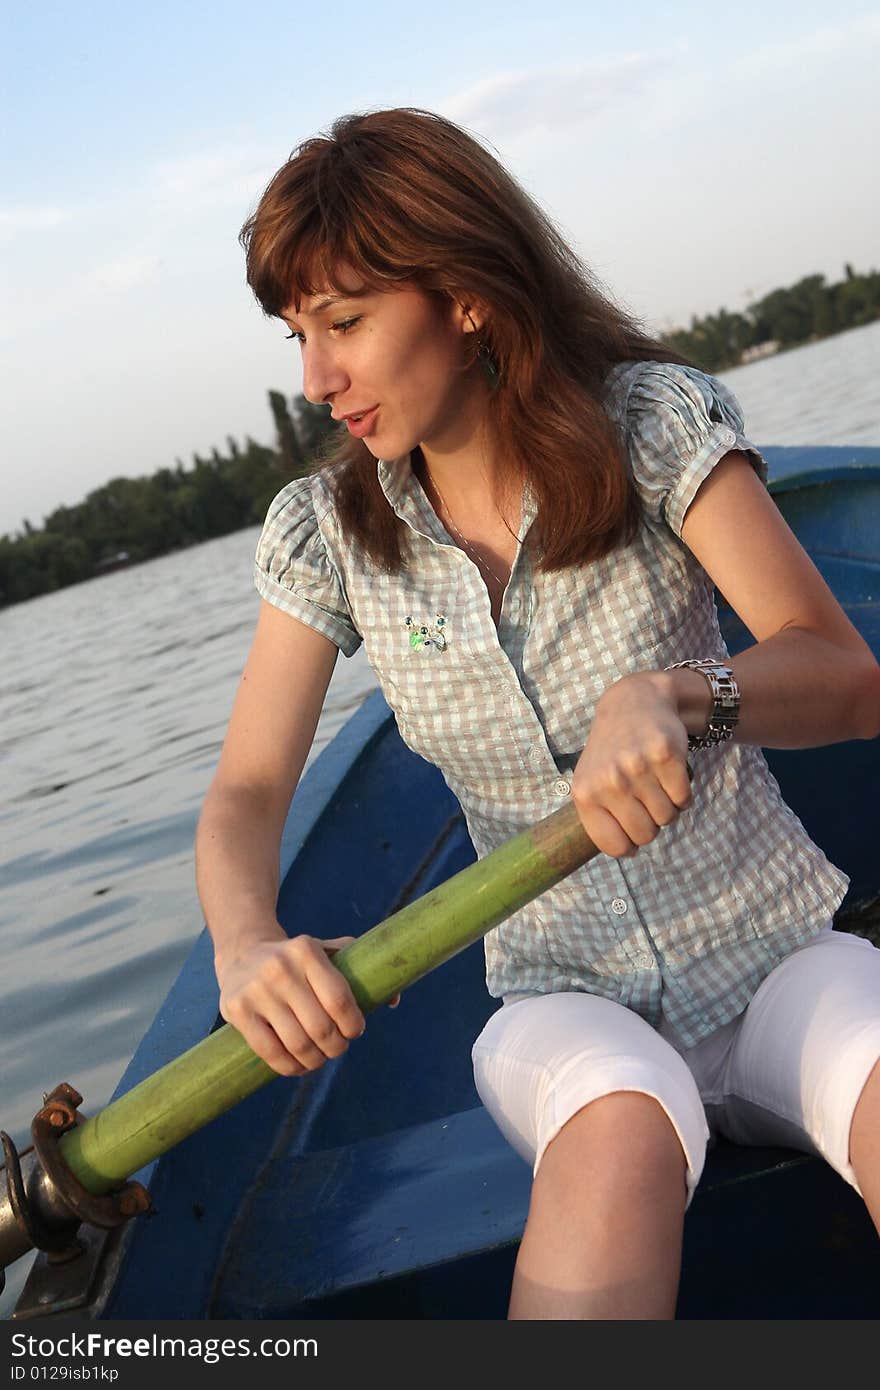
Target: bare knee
{"points": [[623, 1138], [623, 1117], [603, 1237]]}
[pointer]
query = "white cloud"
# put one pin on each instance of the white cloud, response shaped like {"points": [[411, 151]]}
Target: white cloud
{"points": [[553, 99], [124, 273], [31, 218], [83, 291], [831, 40], [237, 174], [175, 199]]}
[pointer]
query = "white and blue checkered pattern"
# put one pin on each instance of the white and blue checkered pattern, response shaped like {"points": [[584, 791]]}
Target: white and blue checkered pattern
{"points": [[694, 921]]}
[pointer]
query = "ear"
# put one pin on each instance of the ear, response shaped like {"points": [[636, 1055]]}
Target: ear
{"points": [[470, 314]]}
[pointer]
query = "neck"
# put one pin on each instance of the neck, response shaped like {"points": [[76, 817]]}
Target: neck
{"points": [[467, 477], [475, 508], [465, 481], [461, 455]]}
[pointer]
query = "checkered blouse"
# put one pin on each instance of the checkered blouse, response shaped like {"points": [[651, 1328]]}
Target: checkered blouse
{"points": [[692, 923]]}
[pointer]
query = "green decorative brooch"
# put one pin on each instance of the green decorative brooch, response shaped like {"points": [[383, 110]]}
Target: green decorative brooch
{"points": [[432, 635]]}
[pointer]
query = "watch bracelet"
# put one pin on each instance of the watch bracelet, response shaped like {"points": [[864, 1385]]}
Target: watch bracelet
{"points": [[725, 701]]}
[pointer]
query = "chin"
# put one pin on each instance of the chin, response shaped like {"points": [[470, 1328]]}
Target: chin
{"points": [[384, 447]]}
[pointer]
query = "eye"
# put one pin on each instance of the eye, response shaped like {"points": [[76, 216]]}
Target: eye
{"points": [[341, 326]]}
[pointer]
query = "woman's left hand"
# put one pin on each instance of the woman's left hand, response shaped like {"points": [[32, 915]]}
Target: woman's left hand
{"points": [[632, 777]]}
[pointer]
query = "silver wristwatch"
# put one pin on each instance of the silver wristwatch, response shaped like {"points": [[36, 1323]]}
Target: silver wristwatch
{"points": [[725, 702]]}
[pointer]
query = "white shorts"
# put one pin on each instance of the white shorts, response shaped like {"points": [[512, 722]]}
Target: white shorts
{"points": [[789, 1070]]}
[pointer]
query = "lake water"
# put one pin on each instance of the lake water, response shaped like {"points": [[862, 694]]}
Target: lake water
{"points": [[113, 704]]}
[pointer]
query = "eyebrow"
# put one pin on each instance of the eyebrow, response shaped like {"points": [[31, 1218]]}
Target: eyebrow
{"points": [[332, 299], [328, 303]]}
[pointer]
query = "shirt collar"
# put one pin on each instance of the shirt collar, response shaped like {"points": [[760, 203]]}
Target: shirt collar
{"points": [[395, 475], [408, 501]]}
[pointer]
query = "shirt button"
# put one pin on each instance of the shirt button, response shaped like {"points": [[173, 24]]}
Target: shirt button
{"points": [[536, 754], [618, 906], [561, 787], [644, 962]]}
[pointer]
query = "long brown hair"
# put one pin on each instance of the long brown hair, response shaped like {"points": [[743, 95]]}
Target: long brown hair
{"points": [[406, 196]]}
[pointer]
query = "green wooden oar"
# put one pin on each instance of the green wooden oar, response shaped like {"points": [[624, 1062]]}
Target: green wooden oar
{"points": [[221, 1070]]}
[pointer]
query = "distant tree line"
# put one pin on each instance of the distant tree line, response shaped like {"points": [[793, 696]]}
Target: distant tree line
{"points": [[133, 519], [785, 318]]}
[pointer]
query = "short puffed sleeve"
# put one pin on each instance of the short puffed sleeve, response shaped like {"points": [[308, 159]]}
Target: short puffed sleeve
{"points": [[679, 424], [293, 569]]}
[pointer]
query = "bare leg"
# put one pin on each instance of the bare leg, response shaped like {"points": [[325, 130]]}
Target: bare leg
{"points": [[864, 1144], [603, 1236]]}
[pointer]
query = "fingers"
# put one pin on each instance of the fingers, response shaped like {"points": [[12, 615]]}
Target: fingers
{"points": [[336, 943], [308, 1038], [291, 1005], [262, 1039], [321, 997], [642, 809], [626, 804]]}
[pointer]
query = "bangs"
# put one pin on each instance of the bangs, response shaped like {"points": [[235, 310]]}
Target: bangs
{"points": [[316, 244], [313, 266]]}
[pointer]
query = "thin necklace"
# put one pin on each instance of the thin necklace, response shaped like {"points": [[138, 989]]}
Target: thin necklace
{"points": [[465, 542]]}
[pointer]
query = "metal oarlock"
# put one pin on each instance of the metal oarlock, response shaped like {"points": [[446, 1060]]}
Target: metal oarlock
{"points": [[44, 1203]]}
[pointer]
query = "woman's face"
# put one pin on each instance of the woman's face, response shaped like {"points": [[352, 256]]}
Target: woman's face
{"points": [[395, 360]]}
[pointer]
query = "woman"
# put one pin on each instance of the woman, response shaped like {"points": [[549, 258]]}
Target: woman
{"points": [[524, 523]]}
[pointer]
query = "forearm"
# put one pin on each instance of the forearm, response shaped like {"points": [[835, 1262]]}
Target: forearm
{"points": [[798, 690], [237, 848]]}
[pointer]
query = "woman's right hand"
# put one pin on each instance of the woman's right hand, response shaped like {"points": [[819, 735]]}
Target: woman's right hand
{"points": [[289, 1002]]}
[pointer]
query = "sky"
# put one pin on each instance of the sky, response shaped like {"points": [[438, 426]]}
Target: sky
{"points": [[695, 157]]}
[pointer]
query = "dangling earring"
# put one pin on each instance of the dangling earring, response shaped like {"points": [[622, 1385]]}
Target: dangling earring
{"points": [[488, 365]]}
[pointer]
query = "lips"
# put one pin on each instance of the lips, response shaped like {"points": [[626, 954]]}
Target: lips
{"points": [[360, 424]]}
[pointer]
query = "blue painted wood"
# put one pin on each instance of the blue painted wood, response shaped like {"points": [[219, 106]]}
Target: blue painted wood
{"points": [[378, 1187], [786, 462], [457, 1163]]}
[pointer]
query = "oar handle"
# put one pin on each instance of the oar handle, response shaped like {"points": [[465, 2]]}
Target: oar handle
{"points": [[410, 943], [221, 1070]]}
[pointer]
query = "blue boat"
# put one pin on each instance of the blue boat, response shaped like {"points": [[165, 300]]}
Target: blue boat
{"points": [[378, 1187]]}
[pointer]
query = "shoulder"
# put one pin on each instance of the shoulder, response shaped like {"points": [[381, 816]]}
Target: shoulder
{"points": [[292, 535], [295, 515], [295, 498], [293, 567], [302, 501], [676, 423], [636, 392]]}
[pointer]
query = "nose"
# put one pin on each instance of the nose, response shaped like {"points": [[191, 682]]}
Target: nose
{"points": [[323, 374]]}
